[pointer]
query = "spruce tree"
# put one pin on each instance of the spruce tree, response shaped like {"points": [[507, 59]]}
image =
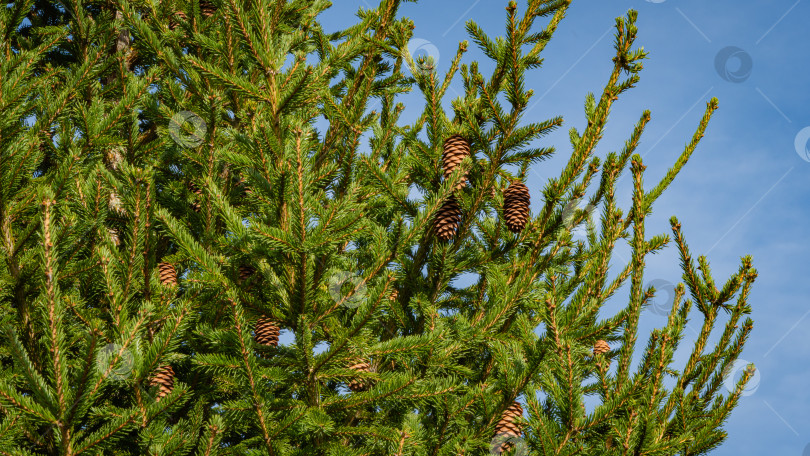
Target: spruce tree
{"points": [[170, 206]]}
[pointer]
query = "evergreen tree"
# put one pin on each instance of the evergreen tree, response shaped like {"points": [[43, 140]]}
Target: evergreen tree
{"points": [[169, 206]]}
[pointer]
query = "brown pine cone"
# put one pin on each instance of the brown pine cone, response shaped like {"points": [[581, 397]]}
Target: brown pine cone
{"points": [[195, 205], [394, 295], [173, 22], [447, 219], [164, 377], [508, 427], [266, 332], [207, 9], [359, 385], [455, 149], [516, 206], [168, 275], [600, 347], [245, 272]]}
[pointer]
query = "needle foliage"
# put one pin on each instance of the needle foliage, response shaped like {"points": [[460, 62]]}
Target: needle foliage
{"points": [[266, 160]]}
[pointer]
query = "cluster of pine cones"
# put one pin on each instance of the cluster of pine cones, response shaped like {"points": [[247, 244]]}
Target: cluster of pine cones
{"points": [[266, 331], [515, 197]]}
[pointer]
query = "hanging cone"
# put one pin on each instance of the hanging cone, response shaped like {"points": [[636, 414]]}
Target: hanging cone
{"points": [[245, 271], [207, 9], [394, 295], [359, 385], [600, 347], [493, 191], [508, 427], [447, 219], [164, 377], [174, 22], [168, 275], [266, 332], [455, 149], [516, 206], [195, 205]]}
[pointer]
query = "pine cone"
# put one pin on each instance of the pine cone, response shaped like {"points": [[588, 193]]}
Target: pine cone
{"points": [[173, 22], [168, 275], [245, 272], [359, 385], [508, 427], [394, 295], [455, 149], [164, 377], [195, 205], [207, 9], [266, 332], [516, 206], [447, 219], [600, 347]]}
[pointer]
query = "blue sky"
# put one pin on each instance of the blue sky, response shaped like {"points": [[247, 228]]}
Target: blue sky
{"points": [[744, 191]]}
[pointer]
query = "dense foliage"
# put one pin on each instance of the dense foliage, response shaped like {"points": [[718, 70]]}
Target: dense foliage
{"points": [[181, 181]]}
